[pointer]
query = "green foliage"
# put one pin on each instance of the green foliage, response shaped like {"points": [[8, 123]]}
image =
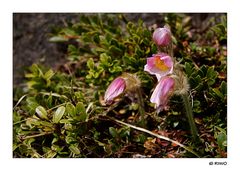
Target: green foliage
{"points": [[221, 29], [61, 113], [109, 48], [39, 79]]}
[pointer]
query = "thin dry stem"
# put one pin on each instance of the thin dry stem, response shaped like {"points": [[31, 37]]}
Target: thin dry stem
{"points": [[153, 134]]}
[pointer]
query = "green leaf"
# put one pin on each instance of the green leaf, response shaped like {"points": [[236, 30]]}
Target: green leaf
{"points": [[30, 75], [36, 70], [113, 132], [51, 154], [195, 81], [66, 121], [32, 121], [96, 38], [58, 114], [70, 110], [55, 139], [188, 69], [58, 39], [202, 71], [46, 124], [32, 104], [48, 75], [134, 106], [124, 132], [222, 140], [96, 135], [218, 93], [90, 63], [42, 113], [98, 73], [223, 88], [197, 106], [115, 50], [175, 124], [115, 69], [99, 50], [139, 52], [70, 140], [73, 50], [74, 149], [114, 42], [211, 73], [81, 111], [49, 101], [140, 138], [69, 32], [210, 81], [221, 129], [105, 59], [79, 96]]}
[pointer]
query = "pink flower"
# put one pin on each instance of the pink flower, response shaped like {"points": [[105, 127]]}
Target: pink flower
{"points": [[116, 88], [162, 36], [162, 93], [160, 65]]}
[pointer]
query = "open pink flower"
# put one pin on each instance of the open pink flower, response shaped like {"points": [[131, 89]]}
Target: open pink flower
{"points": [[162, 36], [160, 65], [162, 93], [116, 88]]}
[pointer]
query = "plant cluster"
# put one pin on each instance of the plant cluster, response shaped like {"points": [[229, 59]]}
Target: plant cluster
{"points": [[65, 112]]}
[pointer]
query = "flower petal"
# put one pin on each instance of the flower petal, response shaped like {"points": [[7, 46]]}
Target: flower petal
{"points": [[116, 88], [162, 93], [160, 65]]}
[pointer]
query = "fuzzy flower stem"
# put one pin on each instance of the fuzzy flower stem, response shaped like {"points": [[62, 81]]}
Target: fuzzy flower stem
{"points": [[141, 107], [170, 49], [189, 114]]}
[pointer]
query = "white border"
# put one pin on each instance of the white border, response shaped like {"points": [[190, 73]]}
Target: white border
{"points": [[7, 8]]}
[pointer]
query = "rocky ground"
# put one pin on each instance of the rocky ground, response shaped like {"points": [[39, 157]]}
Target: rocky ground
{"points": [[30, 41]]}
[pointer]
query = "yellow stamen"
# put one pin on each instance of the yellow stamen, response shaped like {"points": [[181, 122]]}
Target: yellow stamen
{"points": [[161, 65]]}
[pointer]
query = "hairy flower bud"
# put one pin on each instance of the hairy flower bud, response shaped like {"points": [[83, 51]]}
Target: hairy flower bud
{"points": [[162, 36], [116, 88], [162, 93], [127, 84], [160, 65]]}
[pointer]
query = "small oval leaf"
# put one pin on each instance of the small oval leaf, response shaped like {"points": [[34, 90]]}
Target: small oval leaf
{"points": [[81, 111], [58, 114], [70, 110], [58, 39], [74, 149], [113, 132], [42, 113], [49, 74]]}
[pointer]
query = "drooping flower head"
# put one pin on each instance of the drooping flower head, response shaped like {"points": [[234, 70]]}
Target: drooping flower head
{"points": [[160, 65], [115, 89], [162, 93], [162, 36]]}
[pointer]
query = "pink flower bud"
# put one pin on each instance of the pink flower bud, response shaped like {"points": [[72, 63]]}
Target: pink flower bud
{"points": [[159, 65], [162, 93], [162, 36], [116, 88]]}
